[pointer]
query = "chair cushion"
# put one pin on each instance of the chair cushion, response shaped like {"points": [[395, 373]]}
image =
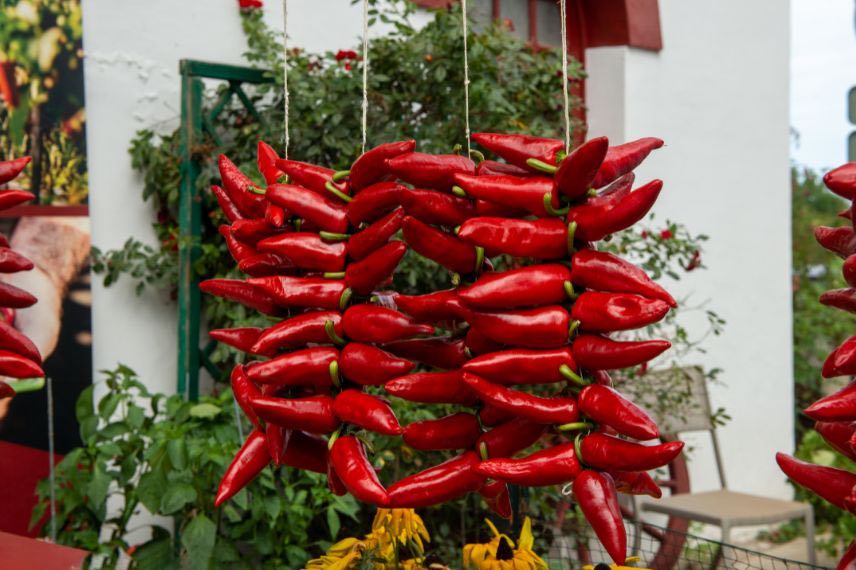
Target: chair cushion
{"points": [[723, 506]]}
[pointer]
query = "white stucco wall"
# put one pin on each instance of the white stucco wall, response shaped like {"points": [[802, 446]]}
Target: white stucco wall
{"points": [[718, 95]]}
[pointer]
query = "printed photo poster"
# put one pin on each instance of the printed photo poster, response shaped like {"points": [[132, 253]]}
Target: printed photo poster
{"points": [[42, 115]]}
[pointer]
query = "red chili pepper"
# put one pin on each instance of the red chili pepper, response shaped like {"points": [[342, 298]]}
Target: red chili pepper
{"points": [[491, 416], [367, 274], [842, 180], [606, 406], [316, 292], [306, 250], [578, 170], [435, 171], [265, 265], [17, 366], [242, 338], [366, 411], [511, 191], [371, 366], [495, 495], [239, 251], [831, 484], [636, 483], [242, 292], [457, 431], [432, 207], [552, 466], [230, 210], [13, 340], [606, 312], [306, 367], [432, 388], [313, 413], [595, 222], [524, 287], [433, 307], [14, 297], [600, 353], [6, 391], [494, 168], [842, 360], [334, 483], [237, 186], [844, 299], [374, 202], [319, 209], [614, 193], [12, 198], [298, 331], [839, 435], [445, 482], [447, 250], [838, 406], [478, 344], [541, 239], [247, 464], [595, 494], [439, 352], [306, 451], [362, 243], [370, 167], [275, 215], [277, 439], [369, 323], [622, 159], [307, 175], [10, 169], [543, 327], [266, 158], [251, 231], [508, 438], [556, 410], [603, 271], [483, 208], [849, 270], [840, 241], [848, 561], [612, 454], [521, 366], [353, 468], [517, 149]]}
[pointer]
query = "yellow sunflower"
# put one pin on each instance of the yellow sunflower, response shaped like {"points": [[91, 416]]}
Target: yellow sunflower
{"points": [[500, 553], [628, 565]]}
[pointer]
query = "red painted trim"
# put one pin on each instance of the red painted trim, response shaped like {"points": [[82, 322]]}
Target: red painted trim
{"points": [[434, 3], [45, 210], [21, 468], [533, 22], [20, 552], [634, 23]]}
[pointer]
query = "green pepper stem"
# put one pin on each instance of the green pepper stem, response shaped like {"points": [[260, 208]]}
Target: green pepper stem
{"points": [[573, 426], [28, 384], [541, 165], [366, 442], [345, 298], [458, 191], [297, 223], [572, 232], [575, 324], [333, 437], [339, 174], [256, 190], [330, 329], [560, 156], [479, 258], [456, 279], [569, 290], [483, 451], [333, 236], [334, 275], [477, 155], [591, 193], [548, 206], [334, 373], [336, 192], [572, 376], [578, 448]]}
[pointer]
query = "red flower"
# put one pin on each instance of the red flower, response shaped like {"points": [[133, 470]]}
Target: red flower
{"points": [[644, 234], [346, 54], [694, 262], [250, 4], [666, 234], [347, 67]]}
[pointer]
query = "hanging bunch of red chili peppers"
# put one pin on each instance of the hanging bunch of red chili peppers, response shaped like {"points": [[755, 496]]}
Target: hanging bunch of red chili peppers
{"points": [[525, 351], [835, 415], [19, 357]]}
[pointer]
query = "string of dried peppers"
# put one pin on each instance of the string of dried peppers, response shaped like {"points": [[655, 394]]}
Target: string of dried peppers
{"points": [[525, 349]]}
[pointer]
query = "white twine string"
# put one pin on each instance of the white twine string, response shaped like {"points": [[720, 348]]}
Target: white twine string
{"points": [[285, 71], [466, 76], [564, 16], [51, 451], [365, 71]]}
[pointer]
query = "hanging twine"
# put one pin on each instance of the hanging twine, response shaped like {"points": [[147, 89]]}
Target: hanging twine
{"points": [[285, 71], [51, 466], [365, 72], [564, 17], [466, 75]]}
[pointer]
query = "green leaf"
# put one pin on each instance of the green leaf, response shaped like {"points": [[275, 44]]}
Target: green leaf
{"points": [[136, 416], [83, 408], [151, 489], [205, 411], [176, 496], [88, 428], [198, 538], [177, 451], [156, 554], [108, 405], [333, 522], [97, 490]]}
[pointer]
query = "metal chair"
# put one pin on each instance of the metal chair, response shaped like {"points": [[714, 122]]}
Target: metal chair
{"points": [[723, 508]]}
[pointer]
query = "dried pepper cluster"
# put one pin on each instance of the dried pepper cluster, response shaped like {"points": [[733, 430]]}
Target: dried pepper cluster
{"points": [[19, 357], [319, 250], [836, 414]]}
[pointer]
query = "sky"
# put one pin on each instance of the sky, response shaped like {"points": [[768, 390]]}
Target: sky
{"points": [[823, 69]]}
